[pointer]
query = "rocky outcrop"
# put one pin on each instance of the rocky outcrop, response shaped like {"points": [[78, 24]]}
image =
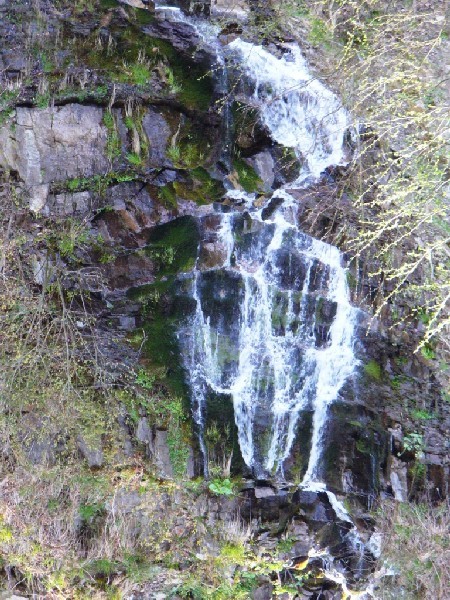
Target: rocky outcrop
{"points": [[54, 144], [230, 9]]}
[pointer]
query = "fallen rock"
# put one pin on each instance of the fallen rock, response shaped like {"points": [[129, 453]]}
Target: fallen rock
{"points": [[92, 452]]}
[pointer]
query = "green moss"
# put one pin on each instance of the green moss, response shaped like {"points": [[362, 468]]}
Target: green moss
{"points": [[135, 73], [167, 195], [173, 246], [373, 370], [363, 446], [113, 145], [139, 53], [247, 176], [208, 188], [176, 242], [200, 188], [422, 415], [143, 16], [233, 553]]}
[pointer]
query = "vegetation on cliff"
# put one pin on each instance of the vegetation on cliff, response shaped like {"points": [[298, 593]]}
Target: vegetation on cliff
{"points": [[387, 62], [97, 497]]}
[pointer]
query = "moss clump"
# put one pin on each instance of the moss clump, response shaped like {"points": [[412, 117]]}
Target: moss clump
{"points": [[201, 188], [173, 247], [247, 176], [140, 54], [167, 196], [135, 73], [97, 183], [175, 244], [373, 370]]}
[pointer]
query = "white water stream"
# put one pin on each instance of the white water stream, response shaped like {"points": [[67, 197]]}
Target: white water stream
{"points": [[283, 357], [300, 113], [268, 351]]}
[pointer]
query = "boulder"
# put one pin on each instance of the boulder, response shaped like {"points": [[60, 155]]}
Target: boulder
{"points": [[54, 144], [91, 451], [40, 442], [158, 132], [263, 165], [230, 9], [263, 592]]}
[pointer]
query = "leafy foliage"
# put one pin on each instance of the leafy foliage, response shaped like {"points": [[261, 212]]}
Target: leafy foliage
{"points": [[221, 487]]}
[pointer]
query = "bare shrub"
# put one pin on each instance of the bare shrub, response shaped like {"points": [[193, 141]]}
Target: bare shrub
{"points": [[416, 545]]}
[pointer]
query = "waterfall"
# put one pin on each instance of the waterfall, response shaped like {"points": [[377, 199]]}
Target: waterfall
{"points": [[299, 111], [273, 326], [284, 362]]}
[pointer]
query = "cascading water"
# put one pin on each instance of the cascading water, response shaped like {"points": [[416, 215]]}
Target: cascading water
{"points": [[273, 329], [299, 111], [285, 362]]}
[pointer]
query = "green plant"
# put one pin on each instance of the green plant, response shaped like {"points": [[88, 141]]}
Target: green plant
{"points": [[107, 258], [47, 65], [88, 512], [286, 544], [6, 534], [174, 87], [221, 487], [113, 144], [43, 99], [7, 104], [428, 352], [247, 176], [234, 553], [421, 414], [191, 588], [174, 153], [134, 159], [137, 567], [373, 370], [73, 236], [145, 379], [319, 34], [167, 195], [101, 567], [137, 73], [414, 442]]}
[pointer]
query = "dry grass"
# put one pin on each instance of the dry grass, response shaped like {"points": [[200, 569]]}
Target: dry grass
{"points": [[236, 531], [416, 544]]}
